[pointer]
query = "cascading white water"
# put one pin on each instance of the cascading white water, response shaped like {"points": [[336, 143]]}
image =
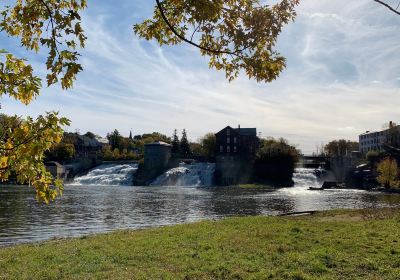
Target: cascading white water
{"points": [[195, 174], [303, 179], [108, 174]]}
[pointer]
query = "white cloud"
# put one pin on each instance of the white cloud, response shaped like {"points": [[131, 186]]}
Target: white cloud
{"points": [[342, 79]]}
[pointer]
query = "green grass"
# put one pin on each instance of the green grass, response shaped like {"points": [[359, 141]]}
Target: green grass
{"points": [[256, 186], [328, 245]]}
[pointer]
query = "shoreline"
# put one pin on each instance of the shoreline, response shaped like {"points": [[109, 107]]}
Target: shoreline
{"points": [[309, 213], [324, 245]]}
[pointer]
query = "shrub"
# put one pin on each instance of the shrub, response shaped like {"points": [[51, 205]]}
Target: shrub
{"points": [[388, 173]]}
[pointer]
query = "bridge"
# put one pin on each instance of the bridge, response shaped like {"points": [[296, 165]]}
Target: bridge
{"points": [[313, 161]]}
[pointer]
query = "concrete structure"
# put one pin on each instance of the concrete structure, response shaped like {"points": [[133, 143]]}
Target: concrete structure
{"points": [[235, 153], [56, 169], [341, 166], [157, 159], [374, 140], [157, 155]]}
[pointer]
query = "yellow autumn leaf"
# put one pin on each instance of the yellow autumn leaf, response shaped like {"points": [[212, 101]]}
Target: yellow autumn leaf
{"points": [[3, 162]]}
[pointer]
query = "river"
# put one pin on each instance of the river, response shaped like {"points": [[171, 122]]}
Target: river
{"points": [[87, 208]]}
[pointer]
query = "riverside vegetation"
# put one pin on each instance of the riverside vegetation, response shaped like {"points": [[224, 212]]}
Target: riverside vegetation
{"points": [[351, 244]]}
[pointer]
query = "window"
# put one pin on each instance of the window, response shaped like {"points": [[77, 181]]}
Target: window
{"points": [[228, 131], [235, 149], [228, 140], [221, 149], [234, 140], [228, 149]]}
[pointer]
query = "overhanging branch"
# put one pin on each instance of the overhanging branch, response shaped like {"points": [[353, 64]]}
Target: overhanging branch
{"points": [[388, 6], [183, 38]]}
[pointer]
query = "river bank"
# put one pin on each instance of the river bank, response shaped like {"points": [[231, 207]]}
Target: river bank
{"points": [[358, 244]]}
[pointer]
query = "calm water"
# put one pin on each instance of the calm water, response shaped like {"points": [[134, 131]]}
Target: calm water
{"points": [[86, 209]]}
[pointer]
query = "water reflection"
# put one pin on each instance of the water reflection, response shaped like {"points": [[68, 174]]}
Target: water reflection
{"points": [[90, 209]]}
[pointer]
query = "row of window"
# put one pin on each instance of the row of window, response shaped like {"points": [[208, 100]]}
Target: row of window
{"points": [[228, 149], [228, 140], [375, 134], [373, 141]]}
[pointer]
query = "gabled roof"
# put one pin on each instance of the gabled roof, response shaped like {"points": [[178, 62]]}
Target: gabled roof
{"points": [[102, 140], [247, 131], [233, 130], [242, 131]]}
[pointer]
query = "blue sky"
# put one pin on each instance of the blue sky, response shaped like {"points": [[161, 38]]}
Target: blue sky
{"points": [[343, 78]]}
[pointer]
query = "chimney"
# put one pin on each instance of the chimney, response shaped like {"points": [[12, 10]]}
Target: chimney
{"points": [[390, 124], [239, 128]]}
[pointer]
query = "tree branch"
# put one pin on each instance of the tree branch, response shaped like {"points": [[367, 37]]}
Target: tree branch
{"points": [[26, 141], [53, 30], [180, 36], [388, 6]]}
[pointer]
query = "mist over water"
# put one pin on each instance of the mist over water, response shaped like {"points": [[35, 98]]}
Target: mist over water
{"points": [[303, 179], [194, 175], [108, 174], [103, 201]]}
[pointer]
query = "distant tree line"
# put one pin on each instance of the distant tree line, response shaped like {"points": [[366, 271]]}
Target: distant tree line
{"points": [[203, 149], [130, 148], [340, 147]]}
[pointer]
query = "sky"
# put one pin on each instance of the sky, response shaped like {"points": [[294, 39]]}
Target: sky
{"points": [[342, 78]]}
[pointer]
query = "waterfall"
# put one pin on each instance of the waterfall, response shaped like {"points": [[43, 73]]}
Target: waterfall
{"points": [[195, 174], [108, 174], [304, 178]]}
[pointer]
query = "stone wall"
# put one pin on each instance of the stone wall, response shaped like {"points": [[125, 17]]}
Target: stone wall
{"points": [[157, 159], [233, 170], [341, 166]]}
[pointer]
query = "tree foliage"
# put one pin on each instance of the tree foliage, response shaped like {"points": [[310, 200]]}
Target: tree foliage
{"points": [[115, 139], [388, 173], [55, 26], [340, 147], [373, 157], [184, 145], [236, 35], [175, 143], [208, 143], [52, 24], [275, 161], [62, 152], [23, 143]]}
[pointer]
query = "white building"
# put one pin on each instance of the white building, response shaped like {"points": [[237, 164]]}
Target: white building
{"points": [[373, 140]]}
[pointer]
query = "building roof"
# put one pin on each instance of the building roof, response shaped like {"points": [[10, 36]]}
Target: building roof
{"points": [[247, 131], [379, 131], [159, 143], [242, 131], [102, 140], [89, 142]]}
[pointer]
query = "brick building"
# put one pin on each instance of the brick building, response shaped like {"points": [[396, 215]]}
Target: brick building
{"points": [[235, 152], [237, 141]]}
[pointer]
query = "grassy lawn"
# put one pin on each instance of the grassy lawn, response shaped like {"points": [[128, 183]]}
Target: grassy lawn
{"points": [[256, 186], [328, 245]]}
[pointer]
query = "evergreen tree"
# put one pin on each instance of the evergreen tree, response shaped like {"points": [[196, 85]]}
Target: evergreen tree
{"points": [[130, 135], [185, 146], [175, 143]]}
